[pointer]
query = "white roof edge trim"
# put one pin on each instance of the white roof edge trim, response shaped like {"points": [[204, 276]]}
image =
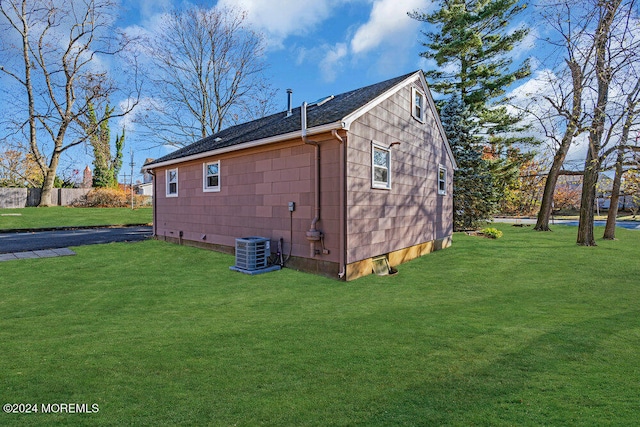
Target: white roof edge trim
{"points": [[434, 110], [375, 101], [257, 143], [348, 120]]}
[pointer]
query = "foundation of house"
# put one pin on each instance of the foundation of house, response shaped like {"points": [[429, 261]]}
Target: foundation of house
{"points": [[365, 267], [331, 269]]}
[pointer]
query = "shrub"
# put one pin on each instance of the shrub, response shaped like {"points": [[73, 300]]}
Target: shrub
{"points": [[491, 232], [110, 198], [104, 198]]}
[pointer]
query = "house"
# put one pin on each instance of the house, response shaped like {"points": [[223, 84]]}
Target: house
{"points": [[342, 181], [146, 187]]}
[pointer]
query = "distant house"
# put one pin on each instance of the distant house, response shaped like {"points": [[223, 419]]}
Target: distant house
{"points": [[342, 181], [146, 187]]}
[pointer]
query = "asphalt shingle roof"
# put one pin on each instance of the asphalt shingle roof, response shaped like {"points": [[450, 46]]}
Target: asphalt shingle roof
{"points": [[331, 111]]}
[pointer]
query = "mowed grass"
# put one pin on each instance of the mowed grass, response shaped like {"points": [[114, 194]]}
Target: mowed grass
{"points": [[63, 216], [529, 329]]}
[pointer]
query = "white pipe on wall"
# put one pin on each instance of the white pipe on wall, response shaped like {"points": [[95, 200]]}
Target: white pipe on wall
{"points": [[343, 203], [313, 235]]}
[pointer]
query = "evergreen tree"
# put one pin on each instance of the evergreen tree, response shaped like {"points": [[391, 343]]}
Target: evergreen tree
{"points": [[106, 168], [474, 198], [471, 50]]}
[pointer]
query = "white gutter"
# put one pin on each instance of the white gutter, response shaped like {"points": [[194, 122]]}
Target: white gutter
{"points": [[257, 143], [313, 235], [342, 215]]}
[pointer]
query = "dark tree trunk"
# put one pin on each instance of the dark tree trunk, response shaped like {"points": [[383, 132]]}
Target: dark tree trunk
{"points": [[610, 228], [587, 201], [549, 189], [49, 180], [552, 179], [593, 162]]}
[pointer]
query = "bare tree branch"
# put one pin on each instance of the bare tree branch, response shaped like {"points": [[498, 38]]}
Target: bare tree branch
{"points": [[59, 74], [208, 73]]}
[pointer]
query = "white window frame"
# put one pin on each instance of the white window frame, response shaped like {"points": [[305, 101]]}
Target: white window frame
{"points": [[379, 184], [415, 92], [442, 180], [168, 177], [205, 175]]}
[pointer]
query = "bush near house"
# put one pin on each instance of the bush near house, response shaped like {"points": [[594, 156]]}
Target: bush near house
{"points": [[491, 232]]}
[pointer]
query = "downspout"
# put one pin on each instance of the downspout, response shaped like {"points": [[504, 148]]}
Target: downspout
{"points": [[313, 235], [153, 201], [343, 204]]}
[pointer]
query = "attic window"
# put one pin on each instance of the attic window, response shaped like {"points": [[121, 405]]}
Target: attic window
{"points": [[172, 182], [380, 166], [418, 103]]}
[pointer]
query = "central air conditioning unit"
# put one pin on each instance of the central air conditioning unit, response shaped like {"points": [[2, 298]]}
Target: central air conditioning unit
{"points": [[252, 255]]}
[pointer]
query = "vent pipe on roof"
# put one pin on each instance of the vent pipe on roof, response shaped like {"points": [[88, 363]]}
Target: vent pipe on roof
{"points": [[289, 100]]}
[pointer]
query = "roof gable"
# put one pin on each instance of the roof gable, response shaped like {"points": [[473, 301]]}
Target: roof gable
{"points": [[336, 113]]}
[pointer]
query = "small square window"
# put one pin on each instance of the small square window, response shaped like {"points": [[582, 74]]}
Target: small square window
{"points": [[380, 166], [211, 176], [172, 182], [442, 180], [418, 104]]}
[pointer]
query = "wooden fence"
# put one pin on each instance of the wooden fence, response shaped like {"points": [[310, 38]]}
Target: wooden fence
{"points": [[25, 197]]}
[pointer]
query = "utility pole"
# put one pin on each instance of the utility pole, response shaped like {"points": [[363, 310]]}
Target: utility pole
{"points": [[131, 179]]}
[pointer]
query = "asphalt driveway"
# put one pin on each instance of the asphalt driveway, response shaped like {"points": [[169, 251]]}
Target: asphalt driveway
{"points": [[41, 240]]}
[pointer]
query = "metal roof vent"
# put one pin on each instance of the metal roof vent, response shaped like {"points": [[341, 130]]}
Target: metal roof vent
{"points": [[252, 255], [289, 100], [321, 101]]}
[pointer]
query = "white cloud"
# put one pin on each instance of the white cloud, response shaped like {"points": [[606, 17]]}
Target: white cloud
{"points": [[301, 53], [528, 43], [279, 19], [332, 61], [388, 23], [531, 96], [145, 105], [537, 85], [386, 39]]}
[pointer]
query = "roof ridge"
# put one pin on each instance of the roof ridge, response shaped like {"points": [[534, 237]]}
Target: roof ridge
{"points": [[280, 123]]}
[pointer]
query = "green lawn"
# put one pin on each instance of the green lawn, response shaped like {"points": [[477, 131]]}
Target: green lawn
{"points": [[530, 329], [62, 216]]}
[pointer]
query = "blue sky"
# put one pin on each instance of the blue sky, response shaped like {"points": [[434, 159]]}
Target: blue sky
{"points": [[317, 48], [320, 48]]}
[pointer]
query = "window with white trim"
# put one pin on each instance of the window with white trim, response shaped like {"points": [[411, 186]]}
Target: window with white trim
{"points": [[442, 180], [380, 166], [172, 182], [418, 104], [211, 176]]}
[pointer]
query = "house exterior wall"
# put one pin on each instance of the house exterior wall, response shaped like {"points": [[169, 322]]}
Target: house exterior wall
{"points": [[407, 220], [411, 213], [256, 186]]}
